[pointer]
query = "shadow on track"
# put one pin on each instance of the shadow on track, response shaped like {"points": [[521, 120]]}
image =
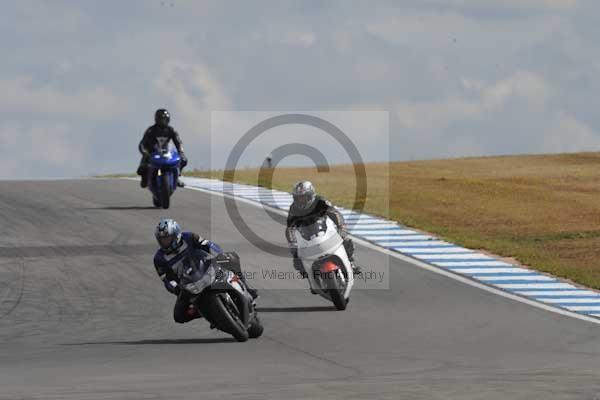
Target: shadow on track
{"points": [[159, 341], [294, 309], [121, 208]]}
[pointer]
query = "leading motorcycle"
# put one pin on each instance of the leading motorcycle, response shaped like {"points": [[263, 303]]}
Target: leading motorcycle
{"points": [[162, 175]]}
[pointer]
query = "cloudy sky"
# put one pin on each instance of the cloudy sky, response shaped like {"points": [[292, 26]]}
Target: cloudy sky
{"points": [[79, 81]]}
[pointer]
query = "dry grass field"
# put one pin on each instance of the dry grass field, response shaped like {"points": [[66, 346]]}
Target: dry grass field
{"points": [[542, 210]]}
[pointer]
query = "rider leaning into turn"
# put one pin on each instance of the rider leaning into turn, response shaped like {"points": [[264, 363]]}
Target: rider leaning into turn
{"points": [[174, 255], [307, 207], [158, 136]]}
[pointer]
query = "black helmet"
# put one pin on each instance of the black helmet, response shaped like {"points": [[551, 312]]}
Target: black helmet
{"points": [[162, 117]]}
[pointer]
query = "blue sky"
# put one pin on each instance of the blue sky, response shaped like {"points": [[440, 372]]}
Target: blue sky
{"points": [[79, 81]]}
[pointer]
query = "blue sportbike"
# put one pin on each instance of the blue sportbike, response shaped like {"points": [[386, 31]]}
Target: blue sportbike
{"points": [[162, 176]]}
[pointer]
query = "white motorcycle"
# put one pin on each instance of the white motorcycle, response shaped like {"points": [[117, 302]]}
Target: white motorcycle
{"points": [[321, 250]]}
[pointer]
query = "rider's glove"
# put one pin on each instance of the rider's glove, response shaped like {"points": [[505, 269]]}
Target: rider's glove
{"points": [[184, 159], [172, 286]]}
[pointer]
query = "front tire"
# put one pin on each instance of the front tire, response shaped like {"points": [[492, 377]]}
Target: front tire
{"points": [[226, 321], [165, 191], [336, 294], [256, 328]]}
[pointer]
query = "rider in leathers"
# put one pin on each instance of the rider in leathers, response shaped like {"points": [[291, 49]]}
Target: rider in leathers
{"points": [[306, 208], [158, 136], [174, 255]]}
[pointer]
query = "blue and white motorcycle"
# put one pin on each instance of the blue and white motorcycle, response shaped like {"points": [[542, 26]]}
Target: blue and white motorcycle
{"points": [[162, 175]]}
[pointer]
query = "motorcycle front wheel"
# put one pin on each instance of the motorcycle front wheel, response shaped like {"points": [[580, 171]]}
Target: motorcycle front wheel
{"points": [[165, 191], [256, 328], [336, 292], [226, 320]]}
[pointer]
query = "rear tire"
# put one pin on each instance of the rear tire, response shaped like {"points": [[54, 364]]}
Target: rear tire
{"points": [[165, 191], [225, 321], [336, 294], [256, 328]]}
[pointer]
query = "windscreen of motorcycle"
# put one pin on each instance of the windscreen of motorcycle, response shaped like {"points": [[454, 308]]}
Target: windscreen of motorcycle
{"points": [[309, 232], [198, 273], [319, 238], [197, 282], [195, 266], [166, 156]]}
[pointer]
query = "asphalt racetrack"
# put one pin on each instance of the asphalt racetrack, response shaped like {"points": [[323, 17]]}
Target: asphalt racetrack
{"points": [[84, 316]]}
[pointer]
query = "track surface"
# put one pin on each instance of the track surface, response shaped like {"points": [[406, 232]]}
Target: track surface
{"points": [[83, 316]]}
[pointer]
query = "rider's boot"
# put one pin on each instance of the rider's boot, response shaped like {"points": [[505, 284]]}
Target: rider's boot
{"points": [[141, 171], [180, 183], [349, 246], [253, 292], [356, 270], [192, 312], [300, 268]]}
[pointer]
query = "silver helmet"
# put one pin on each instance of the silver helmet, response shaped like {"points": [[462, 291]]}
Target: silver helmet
{"points": [[304, 194]]}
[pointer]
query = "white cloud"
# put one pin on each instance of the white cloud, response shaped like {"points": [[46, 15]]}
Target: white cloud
{"points": [[295, 37], [566, 134], [520, 113], [41, 149], [525, 85], [277, 33], [542, 4], [487, 100], [22, 95], [192, 87], [552, 4], [506, 5], [192, 92]]}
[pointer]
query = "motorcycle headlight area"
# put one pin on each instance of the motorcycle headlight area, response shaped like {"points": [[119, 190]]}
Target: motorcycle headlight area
{"points": [[199, 285]]}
